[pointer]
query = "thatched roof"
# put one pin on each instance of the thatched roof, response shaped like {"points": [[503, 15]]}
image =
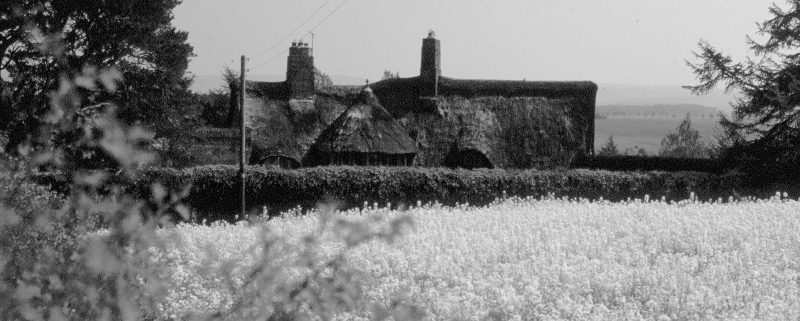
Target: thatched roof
{"points": [[586, 90], [365, 127]]}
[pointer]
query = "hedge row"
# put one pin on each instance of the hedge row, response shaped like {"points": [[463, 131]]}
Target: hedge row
{"points": [[215, 191], [215, 188], [650, 163]]}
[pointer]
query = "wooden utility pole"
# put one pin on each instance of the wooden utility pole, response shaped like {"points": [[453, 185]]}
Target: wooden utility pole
{"points": [[242, 144]]}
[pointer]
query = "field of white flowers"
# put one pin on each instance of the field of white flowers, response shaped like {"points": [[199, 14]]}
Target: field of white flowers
{"points": [[529, 259]]}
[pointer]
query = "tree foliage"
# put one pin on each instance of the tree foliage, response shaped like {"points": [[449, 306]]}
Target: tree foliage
{"points": [[218, 110], [767, 112], [609, 148], [685, 142], [42, 41], [321, 80], [636, 150], [388, 74], [231, 110], [215, 105]]}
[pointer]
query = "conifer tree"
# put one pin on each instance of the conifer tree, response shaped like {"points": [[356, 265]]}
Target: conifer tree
{"points": [[766, 116], [609, 148]]}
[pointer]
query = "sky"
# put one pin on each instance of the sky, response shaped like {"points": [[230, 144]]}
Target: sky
{"points": [[637, 42]]}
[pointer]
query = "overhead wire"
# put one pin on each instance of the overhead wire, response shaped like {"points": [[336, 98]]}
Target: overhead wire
{"points": [[273, 58], [309, 32], [293, 31], [326, 17]]}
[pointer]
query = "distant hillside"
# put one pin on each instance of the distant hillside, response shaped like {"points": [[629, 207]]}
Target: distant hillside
{"points": [[206, 83], [676, 110], [616, 94]]}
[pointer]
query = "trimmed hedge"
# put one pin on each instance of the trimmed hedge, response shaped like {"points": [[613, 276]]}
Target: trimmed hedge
{"points": [[214, 192], [651, 163], [215, 189]]}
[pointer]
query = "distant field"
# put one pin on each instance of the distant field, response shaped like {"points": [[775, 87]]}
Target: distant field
{"points": [[645, 132]]}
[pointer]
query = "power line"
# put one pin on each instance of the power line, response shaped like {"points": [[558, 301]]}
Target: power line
{"points": [[273, 58], [326, 17], [293, 31], [309, 32]]}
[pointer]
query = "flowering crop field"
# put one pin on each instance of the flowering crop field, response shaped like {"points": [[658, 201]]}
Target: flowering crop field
{"points": [[532, 259]]}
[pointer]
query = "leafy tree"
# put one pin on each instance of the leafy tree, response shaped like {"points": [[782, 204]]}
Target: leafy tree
{"points": [[609, 148], [388, 74], [767, 113], [321, 80], [218, 109], [232, 80], [135, 38], [636, 150], [215, 105], [685, 142]]}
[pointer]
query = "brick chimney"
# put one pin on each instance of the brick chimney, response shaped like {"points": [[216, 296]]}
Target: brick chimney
{"points": [[431, 67], [300, 71]]}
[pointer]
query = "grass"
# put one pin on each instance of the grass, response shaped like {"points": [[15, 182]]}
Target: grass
{"points": [[529, 260]]}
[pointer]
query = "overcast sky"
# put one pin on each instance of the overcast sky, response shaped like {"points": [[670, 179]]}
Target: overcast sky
{"points": [[610, 41]]}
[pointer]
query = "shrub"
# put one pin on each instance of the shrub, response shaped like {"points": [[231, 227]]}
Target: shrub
{"points": [[27, 235], [56, 265], [49, 272]]}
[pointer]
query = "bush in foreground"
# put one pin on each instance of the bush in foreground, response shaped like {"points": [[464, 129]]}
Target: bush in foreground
{"points": [[56, 265]]}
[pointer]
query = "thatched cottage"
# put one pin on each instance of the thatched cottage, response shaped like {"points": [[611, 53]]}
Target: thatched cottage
{"points": [[365, 134], [441, 120]]}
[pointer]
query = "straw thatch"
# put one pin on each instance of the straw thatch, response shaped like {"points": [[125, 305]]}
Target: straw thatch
{"points": [[365, 134]]}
